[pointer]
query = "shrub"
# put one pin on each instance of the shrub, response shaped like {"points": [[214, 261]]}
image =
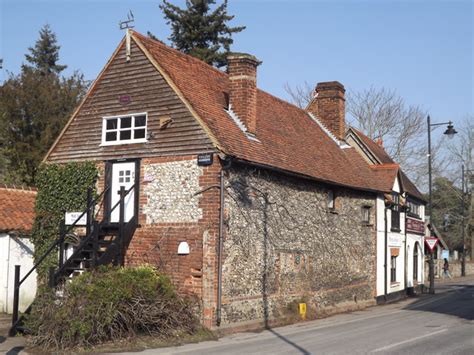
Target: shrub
{"points": [[108, 304]]}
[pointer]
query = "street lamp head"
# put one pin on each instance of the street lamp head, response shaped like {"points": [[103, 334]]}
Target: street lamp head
{"points": [[450, 131]]}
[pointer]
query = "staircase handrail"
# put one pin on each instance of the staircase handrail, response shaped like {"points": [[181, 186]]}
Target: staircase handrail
{"points": [[62, 235], [118, 202]]}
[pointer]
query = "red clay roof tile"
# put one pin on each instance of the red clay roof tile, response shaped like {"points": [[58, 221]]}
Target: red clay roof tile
{"points": [[17, 209], [288, 138]]}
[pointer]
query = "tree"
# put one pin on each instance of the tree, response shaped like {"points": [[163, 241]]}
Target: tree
{"points": [[447, 211], [200, 32], [383, 114], [45, 54], [34, 106]]}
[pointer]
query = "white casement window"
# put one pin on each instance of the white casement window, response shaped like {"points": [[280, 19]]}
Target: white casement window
{"points": [[124, 129]]}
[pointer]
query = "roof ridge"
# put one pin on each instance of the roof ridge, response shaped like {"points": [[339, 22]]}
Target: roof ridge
{"points": [[178, 52]]}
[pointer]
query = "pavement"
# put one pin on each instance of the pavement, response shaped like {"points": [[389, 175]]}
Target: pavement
{"points": [[429, 324]]}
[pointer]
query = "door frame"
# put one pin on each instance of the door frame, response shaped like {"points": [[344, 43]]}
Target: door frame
{"points": [[108, 183]]}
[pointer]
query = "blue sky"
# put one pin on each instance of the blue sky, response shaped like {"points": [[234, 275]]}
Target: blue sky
{"points": [[422, 49]]}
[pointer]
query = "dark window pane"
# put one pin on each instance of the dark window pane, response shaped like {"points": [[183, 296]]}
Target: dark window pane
{"points": [[126, 122], [110, 136], [111, 123], [140, 121], [139, 133], [124, 135]]}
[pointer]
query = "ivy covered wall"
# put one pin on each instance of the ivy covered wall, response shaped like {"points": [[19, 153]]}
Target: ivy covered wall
{"points": [[61, 188]]}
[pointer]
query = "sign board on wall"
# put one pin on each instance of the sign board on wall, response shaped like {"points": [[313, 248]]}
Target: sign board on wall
{"points": [[394, 240], [70, 218], [415, 226]]}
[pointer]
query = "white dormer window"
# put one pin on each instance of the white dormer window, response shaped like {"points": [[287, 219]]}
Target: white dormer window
{"points": [[124, 129]]}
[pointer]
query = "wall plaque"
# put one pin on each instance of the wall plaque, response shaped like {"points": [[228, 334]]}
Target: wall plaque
{"points": [[205, 159]]}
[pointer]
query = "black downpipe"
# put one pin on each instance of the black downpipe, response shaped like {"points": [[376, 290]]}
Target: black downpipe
{"points": [[385, 253], [219, 249]]}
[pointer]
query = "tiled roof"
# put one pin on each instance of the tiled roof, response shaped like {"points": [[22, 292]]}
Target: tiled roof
{"points": [[387, 161], [287, 137], [17, 209]]}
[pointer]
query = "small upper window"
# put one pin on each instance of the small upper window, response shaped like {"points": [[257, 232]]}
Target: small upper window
{"points": [[413, 209], [331, 200], [366, 214], [124, 129]]}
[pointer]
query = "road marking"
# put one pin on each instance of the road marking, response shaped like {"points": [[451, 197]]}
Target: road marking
{"points": [[408, 341]]}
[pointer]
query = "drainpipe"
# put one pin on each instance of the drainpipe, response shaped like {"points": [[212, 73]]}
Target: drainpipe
{"points": [[219, 249], [406, 261], [8, 272], [385, 252]]}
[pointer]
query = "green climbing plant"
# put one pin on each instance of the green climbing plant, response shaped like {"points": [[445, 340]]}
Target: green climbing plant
{"points": [[61, 188]]}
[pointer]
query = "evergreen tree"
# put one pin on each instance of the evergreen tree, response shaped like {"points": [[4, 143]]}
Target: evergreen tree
{"points": [[199, 31], [34, 106], [45, 54]]}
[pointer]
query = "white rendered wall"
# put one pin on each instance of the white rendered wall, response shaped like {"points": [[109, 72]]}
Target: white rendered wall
{"points": [[15, 251]]}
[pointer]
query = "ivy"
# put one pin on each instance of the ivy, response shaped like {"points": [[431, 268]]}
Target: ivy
{"points": [[61, 188]]}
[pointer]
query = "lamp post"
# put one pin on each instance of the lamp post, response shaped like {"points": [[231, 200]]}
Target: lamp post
{"points": [[450, 132], [464, 190]]}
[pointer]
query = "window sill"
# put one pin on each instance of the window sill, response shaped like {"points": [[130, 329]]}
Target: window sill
{"points": [[395, 230], [394, 284], [123, 143]]}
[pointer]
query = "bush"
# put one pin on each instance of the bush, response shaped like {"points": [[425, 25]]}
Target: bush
{"points": [[108, 304]]}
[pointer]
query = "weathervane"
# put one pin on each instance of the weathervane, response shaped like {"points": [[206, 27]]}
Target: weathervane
{"points": [[128, 23]]}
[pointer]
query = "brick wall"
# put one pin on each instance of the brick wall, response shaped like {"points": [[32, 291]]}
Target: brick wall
{"points": [[283, 245], [170, 213]]}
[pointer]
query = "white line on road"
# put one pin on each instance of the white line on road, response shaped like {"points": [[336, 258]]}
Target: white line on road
{"points": [[408, 341]]}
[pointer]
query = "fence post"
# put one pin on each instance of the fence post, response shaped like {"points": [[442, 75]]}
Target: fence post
{"points": [[16, 300], [95, 243], [121, 224], [88, 214]]}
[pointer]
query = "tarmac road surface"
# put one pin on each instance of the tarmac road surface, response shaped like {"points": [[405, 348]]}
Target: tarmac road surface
{"points": [[431, 324]]}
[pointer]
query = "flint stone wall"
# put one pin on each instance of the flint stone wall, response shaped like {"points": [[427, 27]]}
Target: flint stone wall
{"points": [[283, 245], [170, 192]]}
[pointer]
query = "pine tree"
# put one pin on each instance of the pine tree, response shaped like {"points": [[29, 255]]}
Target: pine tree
{"points": [[200, 32], [34, 106], [45, 54]]}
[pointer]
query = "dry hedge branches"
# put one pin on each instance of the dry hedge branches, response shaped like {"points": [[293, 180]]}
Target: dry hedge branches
{"points": [[110, 304]]}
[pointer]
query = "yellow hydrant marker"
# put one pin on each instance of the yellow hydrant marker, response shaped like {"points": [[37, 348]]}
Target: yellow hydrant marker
{"points": [[302, 307]]}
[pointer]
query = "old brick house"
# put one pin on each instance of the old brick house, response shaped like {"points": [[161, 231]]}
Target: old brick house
{"points": [[400, 223], [298, 213]]}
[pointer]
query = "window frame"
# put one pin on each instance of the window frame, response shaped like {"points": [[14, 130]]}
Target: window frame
{"points": [[416, 214], [119, 129], [395, 213], [365, 212], [393, 269], [331, 200]]}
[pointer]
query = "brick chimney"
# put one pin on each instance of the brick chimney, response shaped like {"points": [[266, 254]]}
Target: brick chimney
{"points": [[242, 70], [329, 105]]}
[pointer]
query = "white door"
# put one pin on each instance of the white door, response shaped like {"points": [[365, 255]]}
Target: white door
{"points": [[123, 174]]}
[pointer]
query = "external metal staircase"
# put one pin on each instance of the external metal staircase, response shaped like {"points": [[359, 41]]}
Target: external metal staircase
{"points": [[104, 243]]}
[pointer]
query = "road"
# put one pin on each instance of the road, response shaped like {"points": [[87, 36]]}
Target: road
{"points": [[432, 324]]}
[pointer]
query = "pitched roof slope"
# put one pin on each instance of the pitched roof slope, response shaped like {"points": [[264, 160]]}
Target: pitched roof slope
{"points": [[17, 209], [386, 160], [288, 138]]}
